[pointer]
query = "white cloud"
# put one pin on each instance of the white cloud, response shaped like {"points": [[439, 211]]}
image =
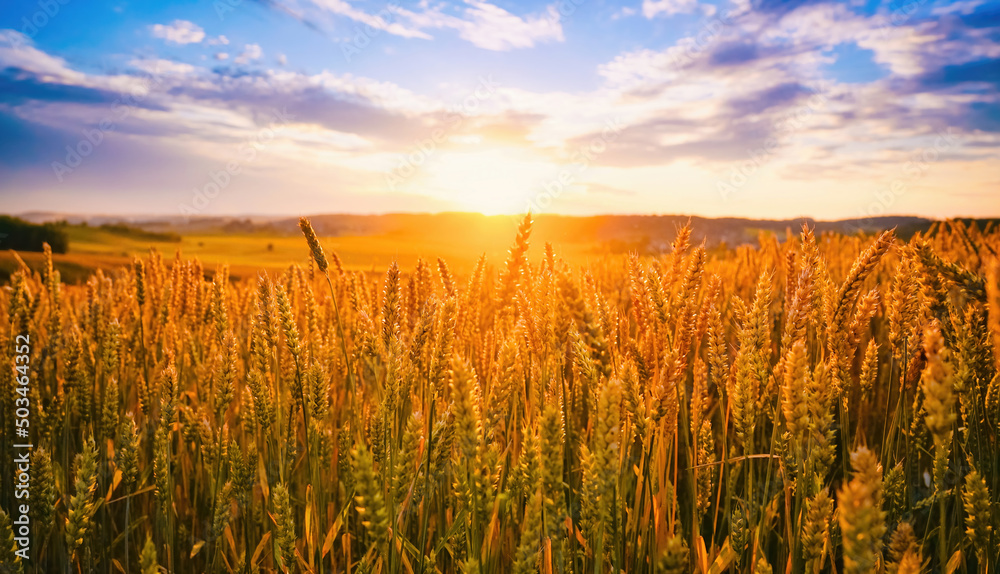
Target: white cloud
{"points": [[481, 23], [18, 51], [282, 59], [161, 67], [901, 43], [687, 113], [385, 19], [625, 12], [654, 8], [179, 32], [250, 52], [964, 7], [493, 28], [222, 40]]}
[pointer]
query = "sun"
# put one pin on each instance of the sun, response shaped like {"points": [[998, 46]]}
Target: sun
{"points": [[491, 182]]}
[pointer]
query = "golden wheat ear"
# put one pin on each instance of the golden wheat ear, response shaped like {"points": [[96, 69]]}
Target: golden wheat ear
{"points": [[317, 250]]}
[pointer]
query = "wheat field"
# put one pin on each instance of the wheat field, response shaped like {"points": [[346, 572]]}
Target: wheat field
{"points": [[809, 404]]}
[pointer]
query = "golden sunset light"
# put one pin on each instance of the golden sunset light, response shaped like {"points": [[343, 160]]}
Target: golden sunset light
{"points": [[500, 287]]}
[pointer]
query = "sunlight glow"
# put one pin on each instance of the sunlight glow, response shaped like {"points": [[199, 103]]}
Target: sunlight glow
{"points": [[491, 182]]}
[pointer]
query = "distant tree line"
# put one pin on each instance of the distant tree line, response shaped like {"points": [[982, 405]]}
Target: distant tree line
{"points": [[21, 235], [139, 233]]}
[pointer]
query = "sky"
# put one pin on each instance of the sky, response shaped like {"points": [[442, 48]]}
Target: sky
{"points": [[751, 108]]}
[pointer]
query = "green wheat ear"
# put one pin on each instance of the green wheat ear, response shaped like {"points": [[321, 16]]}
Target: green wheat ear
{"points": [[862, 521], [284, 537], [43, 492], [816, 530], [147, 561], [82, 505], [739, 532], [370, 502], [109, 410], [674, 557], [528, 549], [9, 561], [993, 400], [407, 461], [976, 500], [127, 450], [223, 513]]}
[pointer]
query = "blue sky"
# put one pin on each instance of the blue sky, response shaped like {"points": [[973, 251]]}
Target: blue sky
{"points": [[760, 108]]}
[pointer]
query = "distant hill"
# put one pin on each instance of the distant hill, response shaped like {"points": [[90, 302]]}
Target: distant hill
{"points": [[636, 232], [639, 232], [368, 242]]}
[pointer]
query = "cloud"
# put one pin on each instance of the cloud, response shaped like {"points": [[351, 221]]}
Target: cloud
{"points": [[179, 32], [781, 7], [757, 77], [478, 22], [19, 86], [625, 12], [386, 19], [17, 51], [493, 28], [783, 94], [746, 79], [160, 67], [734, 53], [204, 102], [250, 52], [654, 8], [958, 7]]}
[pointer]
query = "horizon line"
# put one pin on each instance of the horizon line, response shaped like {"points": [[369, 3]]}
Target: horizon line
{"points": [[188, 218]]}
